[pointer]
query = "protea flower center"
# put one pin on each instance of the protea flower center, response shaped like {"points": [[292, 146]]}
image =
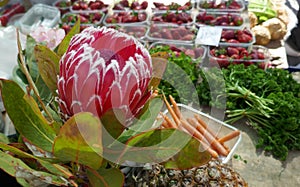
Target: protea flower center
{"points": [[104, 69]]}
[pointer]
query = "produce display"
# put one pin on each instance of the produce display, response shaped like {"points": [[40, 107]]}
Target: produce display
{"points": [[133, 30], [269, 100], [262, 9], [85, 18], [135, 5], [82, 5], [126, 17], [223, 5], [219, 19], [195, 52], [9, 12], [262, 98], [236, 37], [172, 6], [172, 17], [63, 6], [267, 21], [226, 55], [175, 33]]}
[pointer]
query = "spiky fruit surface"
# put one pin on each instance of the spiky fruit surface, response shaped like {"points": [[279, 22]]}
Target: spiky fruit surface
{"points": [[211, 174], [104, 69]]}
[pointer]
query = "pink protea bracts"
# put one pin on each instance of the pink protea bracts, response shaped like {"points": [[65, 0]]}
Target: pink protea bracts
{"points": [[104, 69]]}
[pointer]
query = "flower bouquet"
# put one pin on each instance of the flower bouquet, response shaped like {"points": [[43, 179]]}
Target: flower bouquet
{"points": [[85, 113]]}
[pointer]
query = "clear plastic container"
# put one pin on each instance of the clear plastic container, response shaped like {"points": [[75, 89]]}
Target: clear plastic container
{"points": [[171, 33], [39, 15], [222, 5], [222, 56], [89, 18], [196, 52], [160, 6], [136, 5], [95, 6], [63, 5], [228, 20], [216, 126], [138, 31], [237, 37], [126, 18], [172, 18]]}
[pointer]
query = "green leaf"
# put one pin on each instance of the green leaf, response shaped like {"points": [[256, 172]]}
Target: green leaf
{"points": [[51, 167], [63, 46], [48, 65], [192, 155], [145, 122], [30, 58], [113, 121], [80, 140], [3, 138], [17, 168], [159, 66], [105, 177], [26, 116], [156, 145]]}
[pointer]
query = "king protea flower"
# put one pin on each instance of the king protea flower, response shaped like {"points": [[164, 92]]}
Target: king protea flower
{"points": [[104, 69]]}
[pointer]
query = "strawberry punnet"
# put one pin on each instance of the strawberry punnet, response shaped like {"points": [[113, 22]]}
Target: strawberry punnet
{"points": [[104, 69]]}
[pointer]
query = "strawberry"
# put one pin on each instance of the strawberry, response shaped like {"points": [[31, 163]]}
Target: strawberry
{"points": [[95, 6], [144, 5], [232, 51], [141, 16], [244, 38], [134, 5], [228, 34], [238, 20], [233, 41]]}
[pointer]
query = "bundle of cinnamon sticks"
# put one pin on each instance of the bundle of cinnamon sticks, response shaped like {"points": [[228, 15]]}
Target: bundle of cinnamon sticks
{"points": [[196, 127]]}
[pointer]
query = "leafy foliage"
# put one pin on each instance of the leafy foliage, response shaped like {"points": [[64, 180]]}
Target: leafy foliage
{"points": [[52, 150], [269, 100]]}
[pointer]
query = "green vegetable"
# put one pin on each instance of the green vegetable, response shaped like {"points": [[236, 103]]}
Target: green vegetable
{"points": [[180, 77], [269, 101], [262, 9]]}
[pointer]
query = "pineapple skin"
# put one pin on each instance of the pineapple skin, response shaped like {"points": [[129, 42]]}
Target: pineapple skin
{"points": [[212, 174]]}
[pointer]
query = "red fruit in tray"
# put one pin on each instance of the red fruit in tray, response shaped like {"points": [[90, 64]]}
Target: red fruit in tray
{"points": [[232, 51], [141, 16], [4, 20], [175, 34], [261, 55], [228, 34], [190, 52], [144, 5], [235, 56], [95, 5], [166, 34], [234, 5], [244, 38], [238, 20], [97, 17], [157, 4], [83, 5], [118, 7], [76, 6], [188, 37], [244, 54], [233, 41], [124, 3], [134, 5], [83, 19], [198, 52]]}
